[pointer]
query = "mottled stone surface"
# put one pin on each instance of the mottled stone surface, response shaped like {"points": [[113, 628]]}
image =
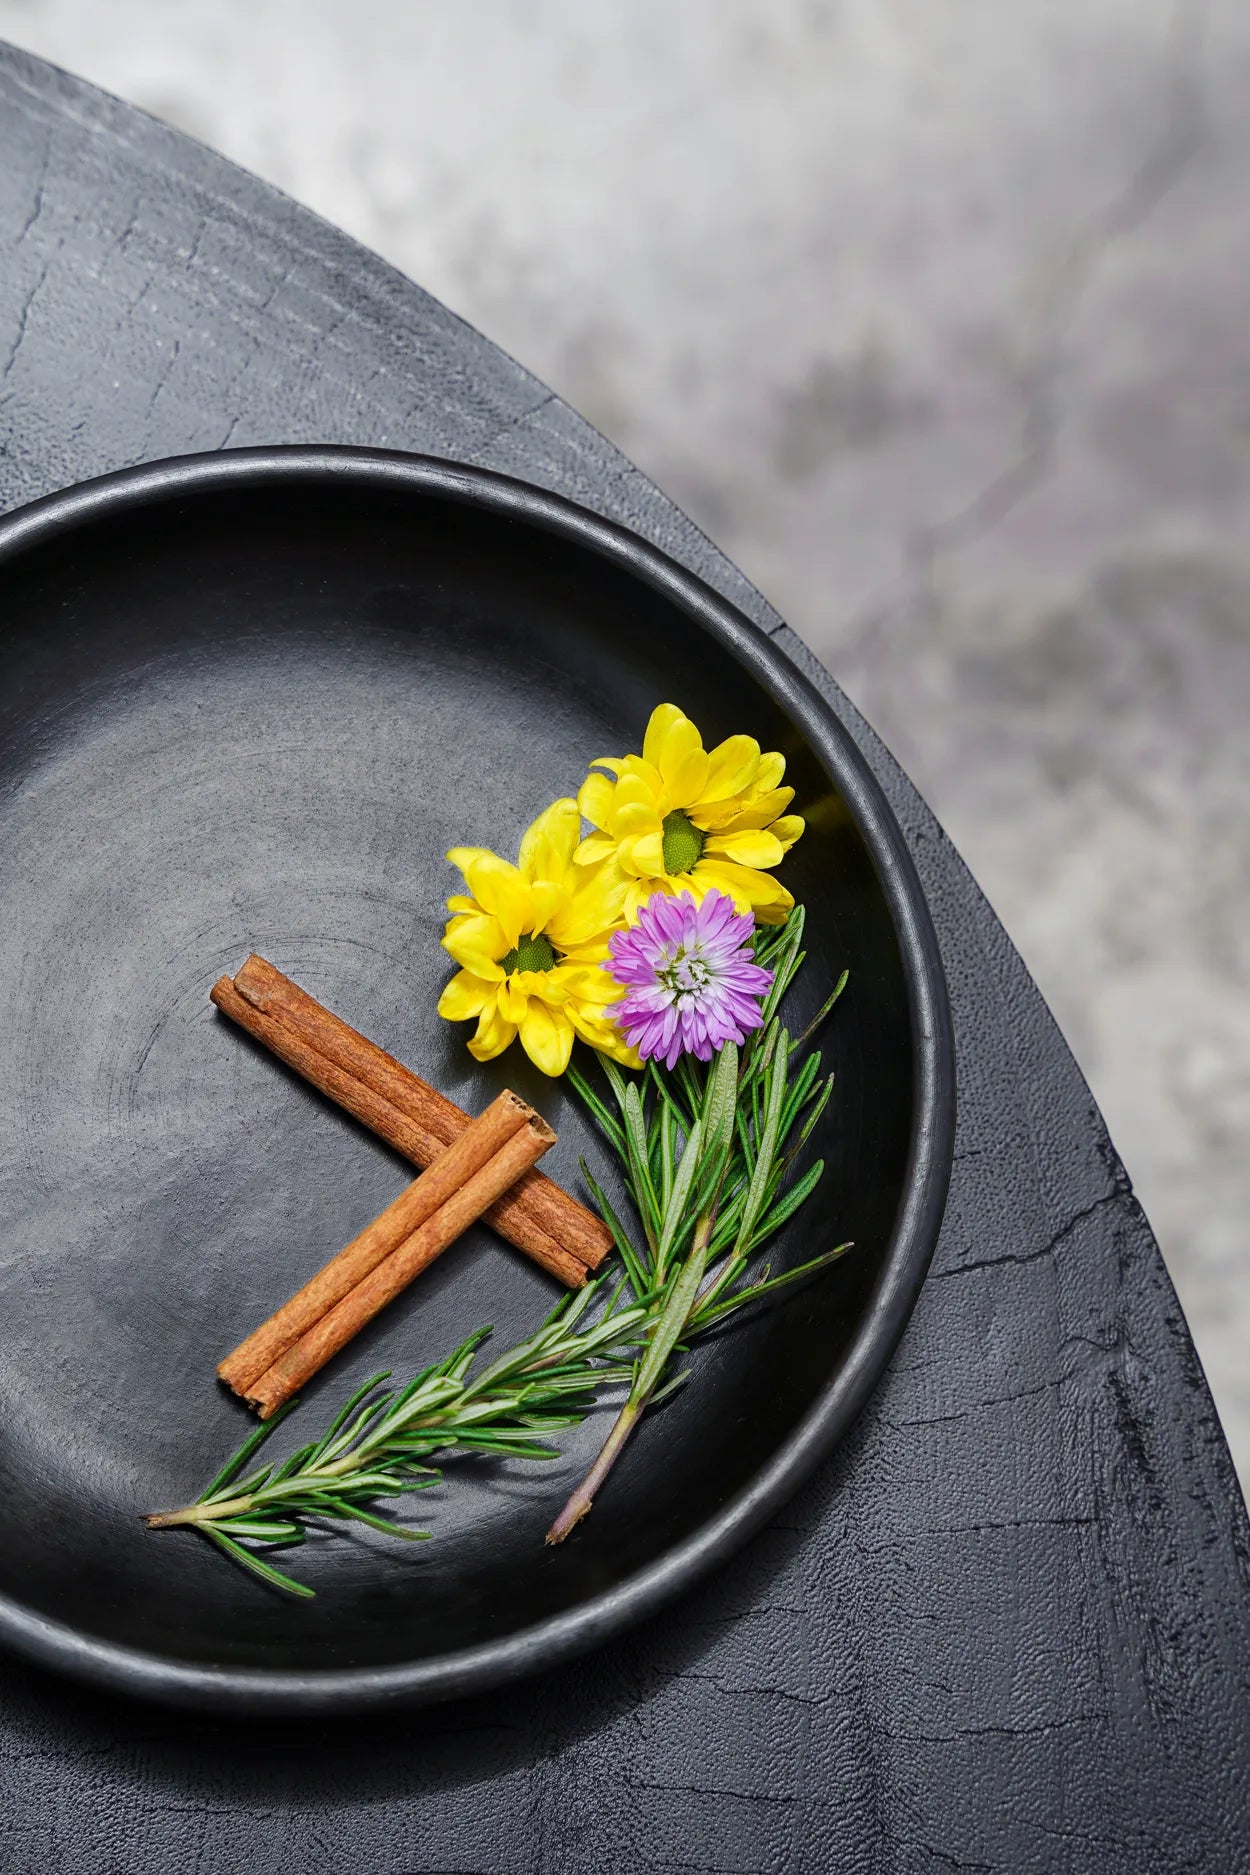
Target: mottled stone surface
{"points": [[937, 316]]}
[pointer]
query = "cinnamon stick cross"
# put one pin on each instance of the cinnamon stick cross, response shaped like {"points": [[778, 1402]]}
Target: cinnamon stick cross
{"points": [[473, 1168], [543, 1221]]}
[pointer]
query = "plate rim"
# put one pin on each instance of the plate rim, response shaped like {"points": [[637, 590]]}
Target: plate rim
{"points": [[908, 1254]]}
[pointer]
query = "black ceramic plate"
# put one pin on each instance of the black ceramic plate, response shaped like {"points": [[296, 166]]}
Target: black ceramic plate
{"points": [[248, 702]]}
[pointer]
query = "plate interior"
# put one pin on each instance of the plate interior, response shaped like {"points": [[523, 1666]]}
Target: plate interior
{"points": [[255, 719]]}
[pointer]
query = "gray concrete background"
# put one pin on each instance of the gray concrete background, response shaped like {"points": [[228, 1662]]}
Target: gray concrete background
{"points": [[936, 314]]}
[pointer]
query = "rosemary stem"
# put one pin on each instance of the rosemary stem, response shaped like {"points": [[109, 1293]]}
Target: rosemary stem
{"points": [[199, 1513], [632, 1411], [584, 1496]]}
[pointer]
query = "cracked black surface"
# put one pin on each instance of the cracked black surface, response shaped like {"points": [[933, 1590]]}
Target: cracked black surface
{"points": [[1006, 1627]]}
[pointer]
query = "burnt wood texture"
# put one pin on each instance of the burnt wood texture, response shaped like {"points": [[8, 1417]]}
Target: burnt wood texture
{"points": [[1007, 1627]]}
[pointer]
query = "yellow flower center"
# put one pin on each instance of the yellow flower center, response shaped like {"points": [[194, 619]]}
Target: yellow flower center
{"points": [[532, 951], [683, 843]]}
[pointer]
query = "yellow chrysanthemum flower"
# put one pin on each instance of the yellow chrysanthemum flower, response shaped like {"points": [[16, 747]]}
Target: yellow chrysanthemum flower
{"points": [[679, 818], [530, 940]]}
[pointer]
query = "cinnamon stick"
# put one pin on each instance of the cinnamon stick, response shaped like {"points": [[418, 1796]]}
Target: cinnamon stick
{"points": [[396, 1127], [536, 1201], [478, 1143], [347, 1317]]}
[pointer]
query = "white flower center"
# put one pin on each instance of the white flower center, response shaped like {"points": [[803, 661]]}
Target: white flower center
{"points": [[685, 972]]}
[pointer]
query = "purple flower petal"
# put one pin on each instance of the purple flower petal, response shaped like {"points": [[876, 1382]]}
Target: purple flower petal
{"points": [[692, 984]]}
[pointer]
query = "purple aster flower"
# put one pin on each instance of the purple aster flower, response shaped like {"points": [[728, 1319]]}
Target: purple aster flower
{"points": [[691, 984]]}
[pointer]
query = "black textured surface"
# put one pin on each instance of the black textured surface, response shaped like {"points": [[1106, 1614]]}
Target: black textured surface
{"points": [[253, 699], [1007, 1627]]}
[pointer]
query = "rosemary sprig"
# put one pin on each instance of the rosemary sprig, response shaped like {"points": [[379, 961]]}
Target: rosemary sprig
{"points": [[378, 1445], [706, 1156]]}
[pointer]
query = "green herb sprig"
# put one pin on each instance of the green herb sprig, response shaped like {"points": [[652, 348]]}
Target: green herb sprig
{"points": [[706, 1156], [378, 1445]]}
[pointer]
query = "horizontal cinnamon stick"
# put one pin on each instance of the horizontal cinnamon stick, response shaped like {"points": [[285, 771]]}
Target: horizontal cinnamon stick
{"points": [[536, 1202], [337, 1327], [478, 1143], [389, 1123]]}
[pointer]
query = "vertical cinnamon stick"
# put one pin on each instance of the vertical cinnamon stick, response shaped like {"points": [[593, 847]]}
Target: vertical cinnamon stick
{"points": [[348, 1316], [476, 1145]]}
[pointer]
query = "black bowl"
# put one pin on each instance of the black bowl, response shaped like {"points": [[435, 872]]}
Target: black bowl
{"points": [[249, 700]]}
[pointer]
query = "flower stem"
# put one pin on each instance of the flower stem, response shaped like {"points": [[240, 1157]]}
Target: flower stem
{"points": [[584, 1496]]}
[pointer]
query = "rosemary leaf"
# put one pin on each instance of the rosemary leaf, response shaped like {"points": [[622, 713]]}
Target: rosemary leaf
{"points": [[258, 1566]]}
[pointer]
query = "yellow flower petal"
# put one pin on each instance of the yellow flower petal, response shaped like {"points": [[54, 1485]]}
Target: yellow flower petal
{"points": [[593, 985], [548, 843], [643, 789], [458, 902], [607, 1038], [686, 779], [750, 847], [635, 817], [500, 890], [594, 848], [476, 962], [645, 855], [546, 898], [549, 986], [756, 892], [595, 907], [492, 1036], [788, 829], [547, 1038], [697, 883], [755, 810], [732, 767], [614, 1044], [772, 768], [663, 718], [465, 996], [680, 742], [638, 891], [513, 1001], [464, 856], [476, 943], [594, 798]]}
